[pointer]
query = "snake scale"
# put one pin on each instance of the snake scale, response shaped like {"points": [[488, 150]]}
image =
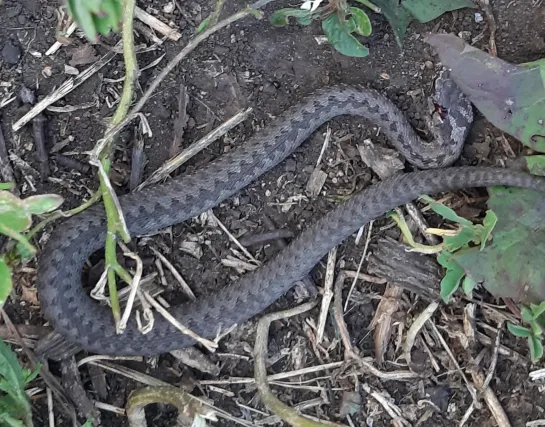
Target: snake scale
{"points": [[82, 321]]}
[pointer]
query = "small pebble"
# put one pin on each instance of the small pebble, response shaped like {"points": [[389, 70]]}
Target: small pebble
{"points": [[478, 17], [11, 53], [169, 7], [428, 65]]}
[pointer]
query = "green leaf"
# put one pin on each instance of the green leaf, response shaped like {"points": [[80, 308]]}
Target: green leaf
{"points": [[466, 235], [8, 421], [341, 39], [511, 265], [7, 185], [538, 310], [362, 21], [10, 369], [84, 19], [42, 204], [453, 276], [280, 18], [96, 16], [535, 164], [468, 285], [536, 348], [536, 329], [31, 375], [205, 23], [5, 281], [445, 211], [511, 97], [398, 17], [12, 212], [13, 383], [519, 331], [489, 222], [526, 314], [427, 10]]}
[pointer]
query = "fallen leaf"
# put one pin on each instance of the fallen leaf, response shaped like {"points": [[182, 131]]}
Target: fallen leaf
{"points": [[83, 55], [511, 97]]}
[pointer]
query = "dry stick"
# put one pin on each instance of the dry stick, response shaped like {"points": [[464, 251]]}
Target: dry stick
{"points": [[171, 165], [328, 293], [157, 25], [290, 415], [133, 286], [233, 238], [415, 328], [485, 4], [210, 345], [175, 273], [50, 407], [180, 123], [280, 376], [64, 89], [364, 363], [57, 45], [6, 171], [363, 255]]}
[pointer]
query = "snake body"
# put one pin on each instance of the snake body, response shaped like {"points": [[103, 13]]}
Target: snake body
{"points": [[82, 321]]}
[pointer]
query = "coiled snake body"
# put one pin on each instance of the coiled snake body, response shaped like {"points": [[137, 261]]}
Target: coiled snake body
{"points": [[82, 321]]}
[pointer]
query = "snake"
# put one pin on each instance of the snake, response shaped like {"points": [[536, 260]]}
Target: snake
{"points": [[89, 325]]}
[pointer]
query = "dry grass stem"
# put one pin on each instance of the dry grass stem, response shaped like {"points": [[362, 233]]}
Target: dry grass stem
{"points": [[135, 283], [415, 328], [57, 45], [172, 164], [193, 358], [175, 273], [324, 146], [64, 89], [210, 345], [98, 357], [50, 412], [109, 408], [382, 320], [212, 216], [491, 400], [360, 264], [470, 387], [156, 24], [393, 410], [328, 293], [280, 376]]}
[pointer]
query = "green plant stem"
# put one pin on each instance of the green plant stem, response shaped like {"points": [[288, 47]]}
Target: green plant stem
{"points": [[21, 239], [114, 216], [404, 228], [54, 216], [185, 403]]}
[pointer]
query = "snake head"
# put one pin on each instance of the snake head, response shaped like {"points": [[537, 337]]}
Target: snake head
{"points": [[450, 113]]}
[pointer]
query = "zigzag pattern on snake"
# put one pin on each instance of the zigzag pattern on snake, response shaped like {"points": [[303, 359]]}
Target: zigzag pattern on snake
{"points": [[82, 321]]}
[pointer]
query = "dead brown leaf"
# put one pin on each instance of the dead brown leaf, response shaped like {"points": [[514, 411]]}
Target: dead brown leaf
{"points": [[83, 55]]}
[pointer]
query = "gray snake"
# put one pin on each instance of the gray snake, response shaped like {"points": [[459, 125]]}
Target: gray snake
{"points": [[82, 321]]}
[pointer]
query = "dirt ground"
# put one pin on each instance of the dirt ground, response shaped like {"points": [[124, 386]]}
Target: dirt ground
{"points": [[252, 64]]}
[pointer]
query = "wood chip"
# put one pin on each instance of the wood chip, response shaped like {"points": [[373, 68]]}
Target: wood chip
{"points": [[316, 182]]}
